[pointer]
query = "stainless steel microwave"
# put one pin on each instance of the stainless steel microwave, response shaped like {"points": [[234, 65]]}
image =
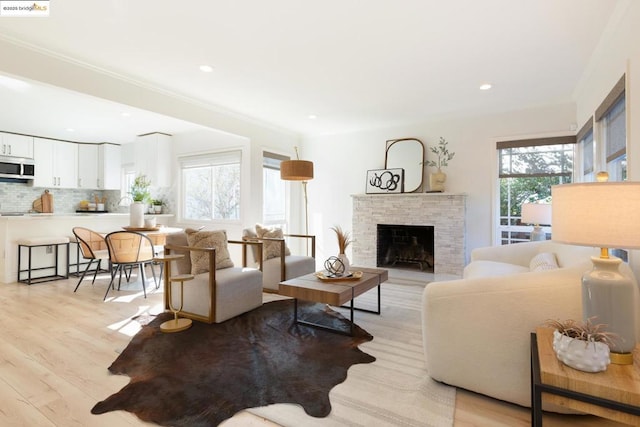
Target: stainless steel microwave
{"points": [[16, 167]]}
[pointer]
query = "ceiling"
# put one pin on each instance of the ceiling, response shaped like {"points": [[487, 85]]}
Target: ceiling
{"points": [[354, 64]]}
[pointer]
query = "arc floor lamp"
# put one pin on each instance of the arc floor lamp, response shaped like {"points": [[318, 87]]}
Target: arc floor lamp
{"points": [[299, 170]]}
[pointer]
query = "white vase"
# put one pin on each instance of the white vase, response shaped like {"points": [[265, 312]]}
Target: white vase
{"points": [[136, 214], [585, 356], [345, 261]]}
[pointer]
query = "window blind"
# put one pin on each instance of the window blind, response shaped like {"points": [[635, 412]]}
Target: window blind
{"points": [[211, 159], [616, 130], [272, 160]]}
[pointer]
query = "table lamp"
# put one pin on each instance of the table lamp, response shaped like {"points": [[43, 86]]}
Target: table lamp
{"points": [[298, 170], [536, 214], [604, 215]]}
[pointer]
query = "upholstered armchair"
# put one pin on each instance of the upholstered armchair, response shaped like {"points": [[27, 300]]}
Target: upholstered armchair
{"points": [[219, 290], [278, 264]]}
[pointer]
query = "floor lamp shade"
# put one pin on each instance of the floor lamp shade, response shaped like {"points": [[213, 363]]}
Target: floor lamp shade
{"points": [[604, 215], [299, 170], [296, 170], [536, 214]]}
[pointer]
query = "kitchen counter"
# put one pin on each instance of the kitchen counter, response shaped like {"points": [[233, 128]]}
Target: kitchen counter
{"points": [[13, 228], [78, 214]]}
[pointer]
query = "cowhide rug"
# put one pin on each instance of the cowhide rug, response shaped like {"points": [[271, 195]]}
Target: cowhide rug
{"points": [[206, 374]]}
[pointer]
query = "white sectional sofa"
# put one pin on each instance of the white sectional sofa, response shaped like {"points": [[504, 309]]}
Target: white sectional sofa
{"points": [[476, 330]]}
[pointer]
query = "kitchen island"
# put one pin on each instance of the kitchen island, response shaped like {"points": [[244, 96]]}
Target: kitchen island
{"points": [[13, 228]]}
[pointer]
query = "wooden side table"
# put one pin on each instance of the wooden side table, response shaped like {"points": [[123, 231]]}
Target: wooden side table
{"points": [[612, 394], [177, 324]]}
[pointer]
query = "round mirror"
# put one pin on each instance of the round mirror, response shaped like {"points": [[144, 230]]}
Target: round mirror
{"points": [[408, 154]]}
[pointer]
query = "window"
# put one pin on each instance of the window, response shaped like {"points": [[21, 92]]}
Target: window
{"points": [[128, 176], [611, 118], [528, 169], [211, 186], [274, 206], [615, 141], [585, 139]]}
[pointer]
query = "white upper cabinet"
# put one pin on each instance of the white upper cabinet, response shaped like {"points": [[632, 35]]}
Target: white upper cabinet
{"points": [[153, 158], [15, 145], [56, 163], [88, 166], [109, 166]]}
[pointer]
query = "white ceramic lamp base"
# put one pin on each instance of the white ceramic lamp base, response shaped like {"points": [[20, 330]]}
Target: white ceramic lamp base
{"points": [[538, 234], [608, 298]]}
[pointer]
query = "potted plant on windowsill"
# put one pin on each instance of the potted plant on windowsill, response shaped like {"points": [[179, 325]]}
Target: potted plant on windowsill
{"points": [[157, 205], [140, 195]]}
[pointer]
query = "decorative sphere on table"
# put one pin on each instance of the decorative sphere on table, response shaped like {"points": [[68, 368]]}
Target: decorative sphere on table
{"points": [[334, 266]]}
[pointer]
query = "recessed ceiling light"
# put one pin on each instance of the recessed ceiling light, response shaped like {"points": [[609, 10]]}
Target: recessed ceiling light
{"points": [[125, 114], [485, 86], [312, 116], [71, 130], [206, 68]]}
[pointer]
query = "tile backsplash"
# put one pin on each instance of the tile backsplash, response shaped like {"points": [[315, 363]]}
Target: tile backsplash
{"points": [[19, 197]]}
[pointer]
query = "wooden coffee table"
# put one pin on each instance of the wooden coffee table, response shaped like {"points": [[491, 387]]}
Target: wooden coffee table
{"points": [[612, 394], [333, 292]]}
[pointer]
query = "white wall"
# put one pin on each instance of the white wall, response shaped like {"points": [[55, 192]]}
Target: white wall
{"points": [[341, 162], [618, 53]]}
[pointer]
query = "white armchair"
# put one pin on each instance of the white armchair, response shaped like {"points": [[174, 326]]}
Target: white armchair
{"points": [[278, 263], [215, 295], [476, 330]]}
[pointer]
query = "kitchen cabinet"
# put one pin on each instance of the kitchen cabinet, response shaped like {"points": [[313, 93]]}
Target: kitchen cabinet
{"points": [[109, 166], [88, 166], [14, 145], [99, 166], [56, 163], [153, 158]]}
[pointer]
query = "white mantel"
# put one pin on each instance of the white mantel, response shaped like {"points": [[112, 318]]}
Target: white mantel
{"points": [[444, 211]]}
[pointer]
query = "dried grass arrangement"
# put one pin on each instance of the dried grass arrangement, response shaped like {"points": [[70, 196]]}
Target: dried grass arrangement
{"points": [[344, 238], [584, 331]]}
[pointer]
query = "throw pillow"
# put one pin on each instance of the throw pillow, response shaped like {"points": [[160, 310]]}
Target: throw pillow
{"points": [[208, 239], [271, 249], [543, 261]]}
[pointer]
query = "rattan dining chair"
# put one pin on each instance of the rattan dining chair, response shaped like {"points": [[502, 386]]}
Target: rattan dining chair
{"points": [[128, 249], [93, 247]]}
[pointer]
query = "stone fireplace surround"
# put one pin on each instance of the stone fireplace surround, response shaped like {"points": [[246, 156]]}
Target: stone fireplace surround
{"points": [[444, 211]]}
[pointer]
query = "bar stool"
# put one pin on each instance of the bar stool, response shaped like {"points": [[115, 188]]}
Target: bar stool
{"points": [[39, 242], [177, 324]]}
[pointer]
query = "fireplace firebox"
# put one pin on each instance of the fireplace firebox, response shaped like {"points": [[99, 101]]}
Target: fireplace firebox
{"points": [[405, 246]]}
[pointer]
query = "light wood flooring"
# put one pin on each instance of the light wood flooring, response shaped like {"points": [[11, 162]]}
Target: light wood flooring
{"points": [[56, 345]]}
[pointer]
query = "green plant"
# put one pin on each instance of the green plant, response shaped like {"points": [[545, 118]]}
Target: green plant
{"points": [[344, 238], [584, 331], [140, 189], [443, 155], [157, 202]]}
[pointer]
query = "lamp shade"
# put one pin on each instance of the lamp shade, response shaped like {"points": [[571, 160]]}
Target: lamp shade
{"points": [[599, 214], [536, 213], [296, 170]]}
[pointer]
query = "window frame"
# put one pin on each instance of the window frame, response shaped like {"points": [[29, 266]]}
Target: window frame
{"points": [[211, 159], [271, 160], [521, 231]]}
